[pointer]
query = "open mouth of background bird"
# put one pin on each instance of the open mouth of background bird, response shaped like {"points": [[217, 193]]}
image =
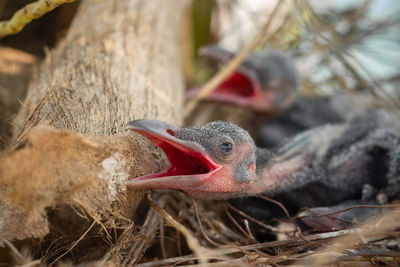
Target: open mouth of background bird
{"points": [[237, 85], [184, 160], [237, 88]]}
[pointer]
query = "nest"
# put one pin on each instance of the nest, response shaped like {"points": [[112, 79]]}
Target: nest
{"points": [[174, 229]]}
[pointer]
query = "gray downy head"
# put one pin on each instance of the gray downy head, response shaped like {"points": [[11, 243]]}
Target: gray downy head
{"points": [[224, 142], [273, 69]]}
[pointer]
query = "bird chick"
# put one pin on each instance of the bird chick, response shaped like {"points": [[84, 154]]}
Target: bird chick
{"points": [[266, 81], [324, 166]]}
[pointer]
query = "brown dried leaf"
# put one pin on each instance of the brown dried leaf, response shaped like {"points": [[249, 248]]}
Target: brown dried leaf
{"points": [[61, 167]]}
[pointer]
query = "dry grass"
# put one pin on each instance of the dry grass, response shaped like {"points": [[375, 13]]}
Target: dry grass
{"points": [[375, 241]]}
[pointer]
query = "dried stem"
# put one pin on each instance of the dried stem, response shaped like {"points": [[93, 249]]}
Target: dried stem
{"points": [[202, 252], [28, 13], [201, 225], [272, 244], [74, 244], [148, 231]]}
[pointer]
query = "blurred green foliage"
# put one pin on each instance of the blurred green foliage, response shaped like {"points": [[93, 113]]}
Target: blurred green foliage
{"points": [[202, 11]]}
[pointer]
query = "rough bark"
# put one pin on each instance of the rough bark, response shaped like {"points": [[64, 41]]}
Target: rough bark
{"points": [[118, 62]]}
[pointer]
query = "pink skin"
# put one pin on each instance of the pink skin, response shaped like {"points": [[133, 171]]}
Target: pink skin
{"points": [[279, 174], [244, 90]]}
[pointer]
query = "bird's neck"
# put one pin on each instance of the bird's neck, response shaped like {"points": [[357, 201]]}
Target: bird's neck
{"points": [[277, 172]]}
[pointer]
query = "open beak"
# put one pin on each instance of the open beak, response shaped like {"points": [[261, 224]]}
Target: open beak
{"points": [[238, 88], [241, 87], [190, 165]]}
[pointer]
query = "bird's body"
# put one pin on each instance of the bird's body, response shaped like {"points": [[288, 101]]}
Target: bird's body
{"points": [[305, 113], [324, 166]]}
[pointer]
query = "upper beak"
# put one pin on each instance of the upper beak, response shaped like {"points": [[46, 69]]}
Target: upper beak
{"points": [[165, 133], [153, 127]]}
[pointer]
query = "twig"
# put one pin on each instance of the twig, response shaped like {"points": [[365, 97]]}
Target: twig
{"points": [[14, 250], [201, 252], [301, 235], [76, 242], [201, 225], [237, 224], [246, 223], [28, 13], [254, 220], [277, 203], [388, 206], [148, 230], [232, 64]]}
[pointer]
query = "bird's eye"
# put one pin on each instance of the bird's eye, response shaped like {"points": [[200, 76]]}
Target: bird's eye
{"points": [[226, 147]]}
